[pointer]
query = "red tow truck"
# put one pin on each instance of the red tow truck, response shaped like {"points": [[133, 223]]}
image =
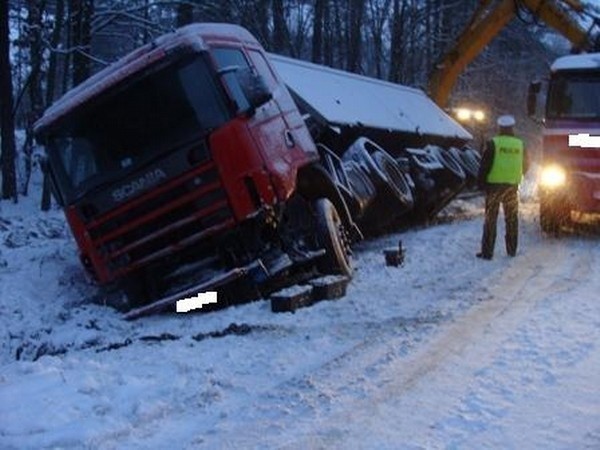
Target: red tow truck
{"points": [[189, 163], [570, 173]]}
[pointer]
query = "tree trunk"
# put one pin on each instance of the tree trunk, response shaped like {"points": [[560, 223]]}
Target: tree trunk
{"points": [[397, 44], [9, 181], [280, 31], [185, 14], [255, 17], [34, 87], [81, 13], [328, 34], [53, 58], [317, 35], [357, 8]]}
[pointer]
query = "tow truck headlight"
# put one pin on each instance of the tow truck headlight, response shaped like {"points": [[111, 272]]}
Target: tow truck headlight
{"points": [[553, 176]]}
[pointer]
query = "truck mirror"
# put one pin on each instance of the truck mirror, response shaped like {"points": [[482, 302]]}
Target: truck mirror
{"points": [[532, 95], [254, 87]]}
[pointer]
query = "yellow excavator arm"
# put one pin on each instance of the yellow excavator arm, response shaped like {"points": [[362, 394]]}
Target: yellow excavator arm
{"points": [[487, 21]]}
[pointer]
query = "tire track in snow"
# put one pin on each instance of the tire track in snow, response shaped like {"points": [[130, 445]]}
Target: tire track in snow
{"points": [[545, 271]]}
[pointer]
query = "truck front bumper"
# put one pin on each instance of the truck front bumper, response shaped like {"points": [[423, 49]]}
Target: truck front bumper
{"points": [[579, 190]]}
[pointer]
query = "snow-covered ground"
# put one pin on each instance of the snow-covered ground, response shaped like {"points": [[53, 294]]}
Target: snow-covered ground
{"points": [[446, 351]]}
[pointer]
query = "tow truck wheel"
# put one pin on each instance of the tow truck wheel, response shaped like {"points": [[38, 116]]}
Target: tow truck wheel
{"points": [[552, 216], [332, 236]]}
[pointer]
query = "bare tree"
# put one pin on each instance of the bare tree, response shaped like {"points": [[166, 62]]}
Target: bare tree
{"points": [[185, 14], [378, 16], [397, 43], [9, 182], [354, 40], [317, 32], [33, 87], [55, 41], [281, 39], [80, 27]]}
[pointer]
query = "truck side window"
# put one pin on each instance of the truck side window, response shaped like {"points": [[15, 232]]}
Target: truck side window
{"points": [[227, 58], [263, 69]]}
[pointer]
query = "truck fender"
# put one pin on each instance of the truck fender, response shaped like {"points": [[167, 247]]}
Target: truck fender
{"points": [[315, 182]]}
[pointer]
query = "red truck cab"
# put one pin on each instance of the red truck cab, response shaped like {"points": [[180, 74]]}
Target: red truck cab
{"points": [[570, 175], [188, 150]]}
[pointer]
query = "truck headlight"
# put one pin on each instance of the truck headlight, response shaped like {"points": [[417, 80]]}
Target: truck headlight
{"points": [[553, 176]]}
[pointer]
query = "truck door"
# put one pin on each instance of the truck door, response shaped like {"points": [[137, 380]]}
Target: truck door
{"points": [[297, 132], [274, 137]]}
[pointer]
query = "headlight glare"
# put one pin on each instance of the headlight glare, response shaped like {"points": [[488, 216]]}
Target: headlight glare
{"points": [[553, 176]]}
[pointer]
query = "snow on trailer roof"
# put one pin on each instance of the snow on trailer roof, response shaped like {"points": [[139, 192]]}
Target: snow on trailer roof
{"points": [[577, 62], [344, 98]]}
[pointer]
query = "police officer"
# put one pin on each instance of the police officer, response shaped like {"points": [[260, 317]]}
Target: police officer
{"points": [[503, 164]]}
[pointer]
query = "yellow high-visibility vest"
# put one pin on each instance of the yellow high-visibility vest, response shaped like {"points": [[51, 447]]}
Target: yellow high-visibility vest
{"points": [[507, 166]]}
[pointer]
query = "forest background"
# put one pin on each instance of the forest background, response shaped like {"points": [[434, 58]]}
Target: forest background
{"points": [[49, 46]]}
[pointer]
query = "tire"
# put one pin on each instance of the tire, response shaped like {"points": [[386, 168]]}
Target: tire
{"points": [[360, 152], [332, 236], [395, 178], [450, 163], [469, 164], [361, 187], [553, 215]]}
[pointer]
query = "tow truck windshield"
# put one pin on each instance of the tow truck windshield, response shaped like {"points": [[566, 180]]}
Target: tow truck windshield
{"points": [[574, 96], [131, 126]]}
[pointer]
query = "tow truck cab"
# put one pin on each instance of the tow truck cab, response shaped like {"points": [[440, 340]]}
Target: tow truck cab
{"points": [[187, 150], [570, 175]]}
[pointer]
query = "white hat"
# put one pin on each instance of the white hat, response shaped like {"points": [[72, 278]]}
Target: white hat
{"points": [[506, 121]]}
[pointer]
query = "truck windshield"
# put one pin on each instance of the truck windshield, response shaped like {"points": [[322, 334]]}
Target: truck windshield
{"points": [[135, 123], [574, 96]]}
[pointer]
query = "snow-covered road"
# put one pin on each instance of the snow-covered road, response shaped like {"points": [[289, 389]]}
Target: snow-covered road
{"points": [[446, 351], [520, 369]]}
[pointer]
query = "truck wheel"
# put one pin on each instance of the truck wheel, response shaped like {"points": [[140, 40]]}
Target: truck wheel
{"points": [[552, 216], [332, 236]]}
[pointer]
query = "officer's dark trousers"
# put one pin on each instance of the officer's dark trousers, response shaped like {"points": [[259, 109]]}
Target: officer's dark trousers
{"points": [[508, 197]]}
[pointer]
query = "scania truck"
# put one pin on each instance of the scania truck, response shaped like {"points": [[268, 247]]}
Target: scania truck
{"points": [[189, 163]]}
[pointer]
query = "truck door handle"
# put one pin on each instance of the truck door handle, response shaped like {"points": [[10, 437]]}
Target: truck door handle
{"points": [[289, 139]]}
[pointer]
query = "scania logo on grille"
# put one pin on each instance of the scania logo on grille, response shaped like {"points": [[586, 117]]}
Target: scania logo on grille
{"points": [[133, 187]]}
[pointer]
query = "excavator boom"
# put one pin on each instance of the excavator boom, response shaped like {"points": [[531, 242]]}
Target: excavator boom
{"points": [[492, 16]]}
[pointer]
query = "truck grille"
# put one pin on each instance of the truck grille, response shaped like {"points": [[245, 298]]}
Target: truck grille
{"points": [[163, 221]]}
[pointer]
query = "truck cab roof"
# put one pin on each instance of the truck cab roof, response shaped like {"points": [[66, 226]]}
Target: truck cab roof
{"points": [[194, 36], [584, 61]]}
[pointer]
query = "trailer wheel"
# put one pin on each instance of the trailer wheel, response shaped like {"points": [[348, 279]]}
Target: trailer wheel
{"points": [[450, 163], [396, 179], [362, 188], [332, 235], [469, 164]]}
